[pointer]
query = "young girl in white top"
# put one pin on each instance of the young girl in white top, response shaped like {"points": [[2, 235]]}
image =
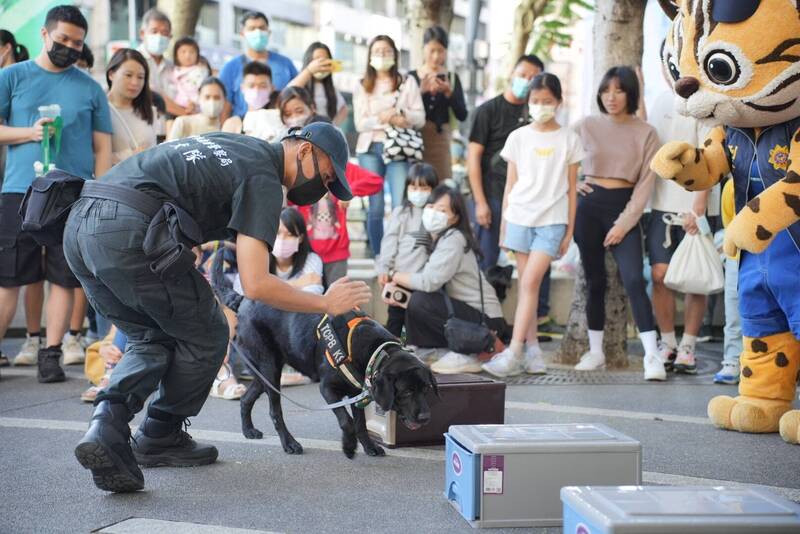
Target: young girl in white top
{"points": [[131, 104], [538, 215], [384, 98]]}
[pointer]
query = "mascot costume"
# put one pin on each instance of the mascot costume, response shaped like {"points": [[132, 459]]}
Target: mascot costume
{"points": [[736, 65]]}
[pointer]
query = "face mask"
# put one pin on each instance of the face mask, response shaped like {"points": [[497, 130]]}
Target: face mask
{"points": [[541, 113], [520, 87], [434, 221], [256, 98], [418, 198], [298, 121], [257, 40], [63, 56], [156, 44], [285, 248], [211, 108], [381, 63], [321, 75], [307, 190]]}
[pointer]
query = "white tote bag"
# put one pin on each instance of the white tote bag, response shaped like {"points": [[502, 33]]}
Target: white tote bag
{"points": [[695, 267]]}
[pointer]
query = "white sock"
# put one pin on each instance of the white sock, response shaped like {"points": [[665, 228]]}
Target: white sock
{"points": [[596, 341], [533, 348], [516, 348], [668, 339], [689, 341], [650, 341]]}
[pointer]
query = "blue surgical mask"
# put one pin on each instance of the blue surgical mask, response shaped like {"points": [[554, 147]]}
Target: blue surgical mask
{"points": [[257, 40], [520, 87]]}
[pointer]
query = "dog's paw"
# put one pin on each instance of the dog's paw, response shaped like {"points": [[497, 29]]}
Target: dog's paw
{"points": [[293, 447], [349, 445], [373, 449], [252, 433]]}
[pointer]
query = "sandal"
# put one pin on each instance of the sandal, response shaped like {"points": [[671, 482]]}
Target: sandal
{"points": [[227, 387]]}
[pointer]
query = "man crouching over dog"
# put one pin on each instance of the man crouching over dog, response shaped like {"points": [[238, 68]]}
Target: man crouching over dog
{"points": [[126, 241]]}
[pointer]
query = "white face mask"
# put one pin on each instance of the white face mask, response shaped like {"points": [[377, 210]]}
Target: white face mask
{"points": [[381, 63], [156, 44], [542, 114], [298, 121], [211, 108], [321, 75], [418, 198], [434, 221]]}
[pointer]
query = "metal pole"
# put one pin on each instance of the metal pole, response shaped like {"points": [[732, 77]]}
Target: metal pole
{"points": [[132, 23], [473, 20]]}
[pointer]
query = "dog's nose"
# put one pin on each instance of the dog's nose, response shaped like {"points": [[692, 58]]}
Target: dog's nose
{"points": [[686, 87]]}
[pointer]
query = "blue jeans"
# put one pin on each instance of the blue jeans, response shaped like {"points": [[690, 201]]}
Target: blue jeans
{"points": [[394, 175], [488, 238], [732, 346]]}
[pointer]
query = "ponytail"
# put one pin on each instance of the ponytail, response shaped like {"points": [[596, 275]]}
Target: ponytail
{"points": [[18, 51]]}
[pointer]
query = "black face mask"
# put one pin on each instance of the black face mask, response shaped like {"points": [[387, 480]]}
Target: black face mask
{"points": [[307, 190], [63, 56]]}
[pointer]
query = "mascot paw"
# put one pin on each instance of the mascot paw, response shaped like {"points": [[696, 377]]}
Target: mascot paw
{"points": [[745, 234], [790, 427], [747, 414], [669, 160]]}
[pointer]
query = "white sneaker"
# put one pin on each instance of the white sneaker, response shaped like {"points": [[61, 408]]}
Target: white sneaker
{"points": [[455, 362], [591, 361], [654, 368], [29, 353], [504, 364], [427, 355], [73, 350], [534, 361]]}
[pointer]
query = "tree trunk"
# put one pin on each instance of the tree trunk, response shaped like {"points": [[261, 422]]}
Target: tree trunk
{"points": [[618, 40], [524, 16], [618, 35], [422, 14], [576, 339], [183, 14]]}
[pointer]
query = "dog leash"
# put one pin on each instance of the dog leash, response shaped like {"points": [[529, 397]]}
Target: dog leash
{"points": [[347, 401]]}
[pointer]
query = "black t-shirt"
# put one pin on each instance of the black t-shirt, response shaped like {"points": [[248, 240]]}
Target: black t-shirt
{"points": [[494, 120], [229, 183]]}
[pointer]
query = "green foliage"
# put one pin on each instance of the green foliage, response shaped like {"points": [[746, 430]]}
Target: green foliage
{"points": [[552, 28]]}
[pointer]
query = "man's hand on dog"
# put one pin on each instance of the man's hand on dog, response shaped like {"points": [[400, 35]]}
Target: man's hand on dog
{"points": [[344, 295]]}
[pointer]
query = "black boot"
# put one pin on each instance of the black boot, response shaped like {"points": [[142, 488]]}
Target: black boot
{"points": [[106, 450], [164, 443], [49, 370]]}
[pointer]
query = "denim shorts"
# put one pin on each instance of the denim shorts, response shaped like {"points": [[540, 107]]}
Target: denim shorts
{"points": [[525, 239]]}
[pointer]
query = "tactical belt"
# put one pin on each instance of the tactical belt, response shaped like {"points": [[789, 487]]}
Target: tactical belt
{"points": [[129, 196]]}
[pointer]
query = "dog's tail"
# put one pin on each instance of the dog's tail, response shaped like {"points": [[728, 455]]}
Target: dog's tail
{"points": [[221, 285]]}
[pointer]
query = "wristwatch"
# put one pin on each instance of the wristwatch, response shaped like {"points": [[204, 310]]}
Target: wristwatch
{"points": [[391, 274]]}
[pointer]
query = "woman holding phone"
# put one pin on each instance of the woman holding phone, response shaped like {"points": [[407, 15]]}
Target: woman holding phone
{"points": [[318, 66], [441, 94]]}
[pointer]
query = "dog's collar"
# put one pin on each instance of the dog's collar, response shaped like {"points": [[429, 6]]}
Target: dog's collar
{"points": [[375, 362]]}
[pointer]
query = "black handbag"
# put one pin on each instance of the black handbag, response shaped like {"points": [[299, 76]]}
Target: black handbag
{"points": [[464, 336], [46, 205], [402, 144]]}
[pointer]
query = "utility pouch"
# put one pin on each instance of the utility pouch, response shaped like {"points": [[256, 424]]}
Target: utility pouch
{"points": [[169, 240], [46, 205]]}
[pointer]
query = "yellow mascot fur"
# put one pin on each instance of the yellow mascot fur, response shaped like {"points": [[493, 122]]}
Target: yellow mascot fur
{"points": [[736, 65]]}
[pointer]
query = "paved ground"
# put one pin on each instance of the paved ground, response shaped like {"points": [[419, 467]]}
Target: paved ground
{"points": [[256, 486]]}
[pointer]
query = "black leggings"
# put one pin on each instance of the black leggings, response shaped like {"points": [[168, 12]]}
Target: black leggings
{"points": [[595, 216]]}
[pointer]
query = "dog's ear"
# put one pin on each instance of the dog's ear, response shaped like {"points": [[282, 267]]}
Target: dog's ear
{"points": [[428, 378], [383, 390]]}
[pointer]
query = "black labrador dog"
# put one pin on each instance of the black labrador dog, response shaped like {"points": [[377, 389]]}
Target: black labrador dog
{"points": [[272, 338]]}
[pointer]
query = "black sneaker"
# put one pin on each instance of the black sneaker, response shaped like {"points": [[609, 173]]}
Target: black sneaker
{"points": [[4, 361], [106, 450], [548, 327], [160, 443], [49, 370]]}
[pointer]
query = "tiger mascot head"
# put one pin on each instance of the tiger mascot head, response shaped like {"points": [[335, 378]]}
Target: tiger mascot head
{"points": [[735, 62]]}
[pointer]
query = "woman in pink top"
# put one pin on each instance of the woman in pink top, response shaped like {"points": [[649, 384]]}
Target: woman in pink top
{"points": [[618, 147], [384, 98]]}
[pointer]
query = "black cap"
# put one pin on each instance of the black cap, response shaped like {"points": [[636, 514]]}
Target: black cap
{"points": [[330, 140]]}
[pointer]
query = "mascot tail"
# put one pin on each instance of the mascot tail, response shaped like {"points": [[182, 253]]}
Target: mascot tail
{"points": [[221, 285]]}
